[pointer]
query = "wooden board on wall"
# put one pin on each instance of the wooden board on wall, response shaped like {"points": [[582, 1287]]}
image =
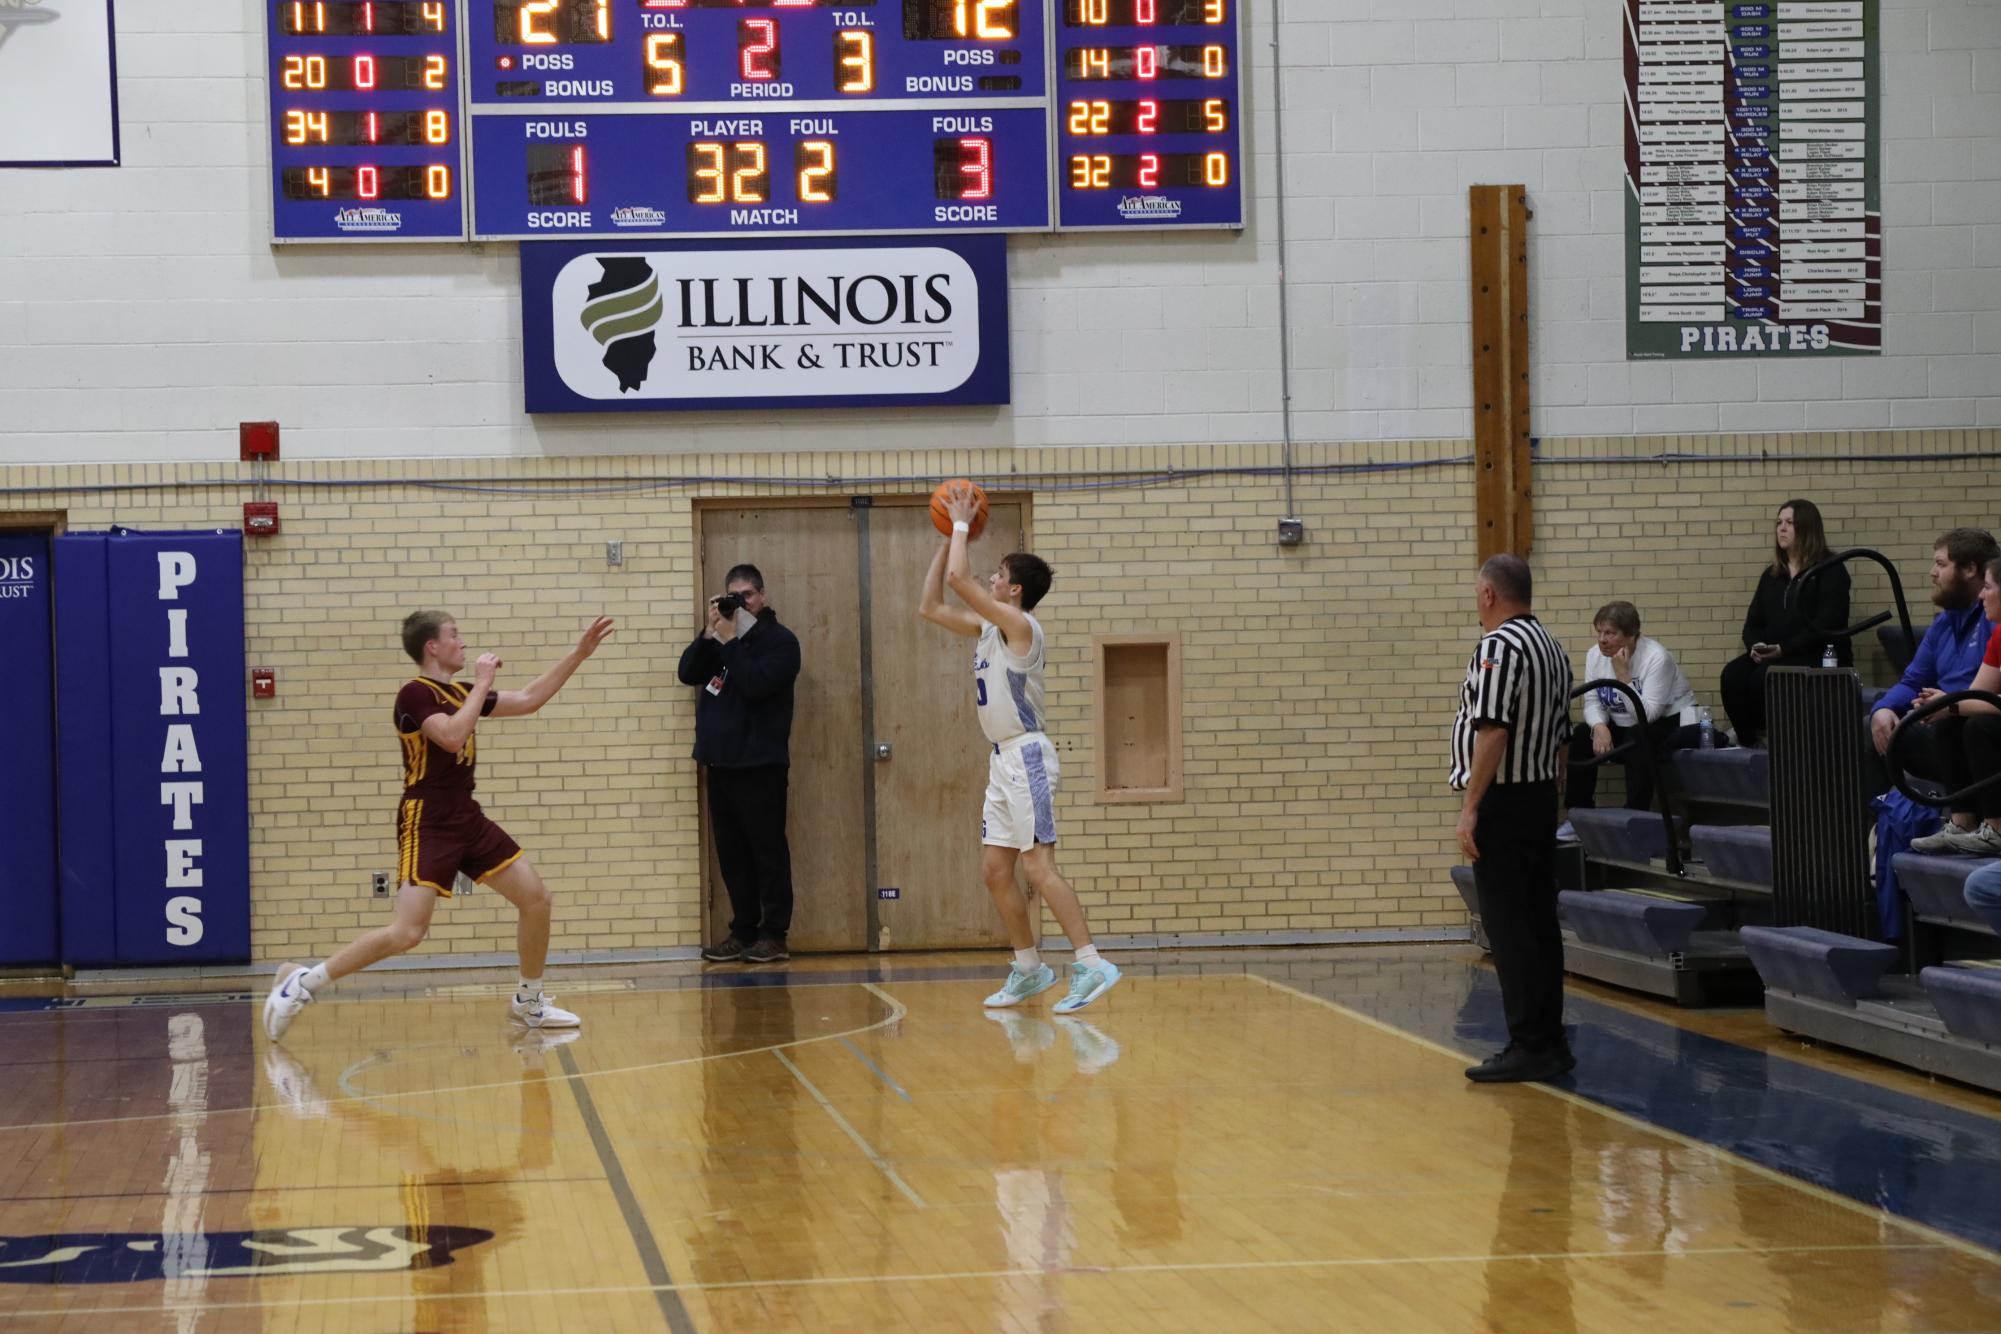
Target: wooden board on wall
{"points": [[1501, 417]]}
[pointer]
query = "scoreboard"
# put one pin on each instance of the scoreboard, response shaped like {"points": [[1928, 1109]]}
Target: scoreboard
{"points": [[365, 120], [567, 119]]}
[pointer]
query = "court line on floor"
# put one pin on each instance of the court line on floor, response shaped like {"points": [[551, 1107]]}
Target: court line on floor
{"points": [[650, 1258], [896, 1014], [869, 1150], [294, 1302], [876, 1070], [1716, 1151]]}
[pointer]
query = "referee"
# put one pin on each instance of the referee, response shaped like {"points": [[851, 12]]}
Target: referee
{"points": [[1507, 749]]}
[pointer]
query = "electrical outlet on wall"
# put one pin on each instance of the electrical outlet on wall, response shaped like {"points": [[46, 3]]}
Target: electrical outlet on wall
{"points": [[379, 882]]}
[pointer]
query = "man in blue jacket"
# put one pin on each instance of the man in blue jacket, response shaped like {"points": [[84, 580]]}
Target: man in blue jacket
{"points": [[745, 664], [1951, 651]]}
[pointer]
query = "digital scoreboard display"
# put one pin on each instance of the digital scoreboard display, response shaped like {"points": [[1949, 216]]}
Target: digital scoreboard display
{"points": [[366, 124], [1148, 111], [529, 119]]}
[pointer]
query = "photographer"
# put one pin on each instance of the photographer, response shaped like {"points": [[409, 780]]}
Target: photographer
{"points": [[745, 663]]}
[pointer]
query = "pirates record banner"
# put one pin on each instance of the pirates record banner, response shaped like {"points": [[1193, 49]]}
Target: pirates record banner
{"points": [[1754, 223], [661, 326]]}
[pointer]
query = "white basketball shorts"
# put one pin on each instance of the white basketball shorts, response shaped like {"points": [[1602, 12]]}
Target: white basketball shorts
{"points": [[1021, 794]]}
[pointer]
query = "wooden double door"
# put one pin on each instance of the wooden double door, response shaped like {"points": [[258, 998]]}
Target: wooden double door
{"points": [[888, 765]]}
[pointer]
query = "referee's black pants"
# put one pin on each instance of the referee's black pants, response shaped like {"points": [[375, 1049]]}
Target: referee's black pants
{"points": [[1516, 880], [747, 817]]}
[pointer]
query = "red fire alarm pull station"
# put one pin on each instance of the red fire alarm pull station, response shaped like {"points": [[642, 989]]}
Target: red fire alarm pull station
{"points": [[263, 683], [257, 440], [260, 518]]}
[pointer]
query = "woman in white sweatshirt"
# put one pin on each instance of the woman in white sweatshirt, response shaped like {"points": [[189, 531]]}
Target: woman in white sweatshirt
{"points": [[1623, 654]]}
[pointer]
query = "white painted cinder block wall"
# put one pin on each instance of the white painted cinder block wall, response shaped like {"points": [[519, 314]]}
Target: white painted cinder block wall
{"points": [[143, 313]]}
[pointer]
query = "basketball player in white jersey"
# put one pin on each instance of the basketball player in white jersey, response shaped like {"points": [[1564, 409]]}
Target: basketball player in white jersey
{"points": [[1019, 822]]}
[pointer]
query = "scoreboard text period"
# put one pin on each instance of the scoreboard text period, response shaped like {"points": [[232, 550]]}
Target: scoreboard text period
{"points": [[714, 117]]}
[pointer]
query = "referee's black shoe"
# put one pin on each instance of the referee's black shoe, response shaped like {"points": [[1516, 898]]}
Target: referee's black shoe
{"points": [[728, 950], [1522, 1065]]}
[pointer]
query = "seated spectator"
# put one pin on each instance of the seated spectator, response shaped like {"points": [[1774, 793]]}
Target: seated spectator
{"points": [[1947, 659], [1968, 745], [1623, 654], [1779, 627], [1983, 895]]}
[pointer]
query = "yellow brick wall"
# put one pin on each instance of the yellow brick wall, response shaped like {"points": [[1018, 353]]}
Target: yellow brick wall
{"points": [[1318, 683]]}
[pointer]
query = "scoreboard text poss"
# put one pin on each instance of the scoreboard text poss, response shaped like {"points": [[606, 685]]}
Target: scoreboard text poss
{"points": [[574, 118]]}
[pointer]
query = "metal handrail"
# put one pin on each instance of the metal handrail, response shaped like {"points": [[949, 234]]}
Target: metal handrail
{"points": [[1643, 738], [1896, 593], [1916, 718]]}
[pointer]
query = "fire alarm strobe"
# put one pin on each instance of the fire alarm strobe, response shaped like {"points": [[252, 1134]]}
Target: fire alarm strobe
{"points": [[260, 518]]}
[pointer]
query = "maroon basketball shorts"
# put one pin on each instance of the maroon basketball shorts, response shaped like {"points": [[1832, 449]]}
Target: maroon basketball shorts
{"points": [[437, 839]]}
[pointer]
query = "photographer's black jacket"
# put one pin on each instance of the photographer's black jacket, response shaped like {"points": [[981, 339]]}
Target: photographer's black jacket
{"points": [[749, 724]]}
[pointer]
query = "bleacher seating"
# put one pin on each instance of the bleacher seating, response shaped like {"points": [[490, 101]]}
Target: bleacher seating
{"points": [[1739, 853], [1936, 887], [1734, 775], [1898, 647], [1824, 965], [1968, 1000], [1462, 880], [1651, 925], [1618, 834]]}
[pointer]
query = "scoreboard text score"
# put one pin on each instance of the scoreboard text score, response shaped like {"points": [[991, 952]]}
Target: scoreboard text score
{"points": [[505, 119]]}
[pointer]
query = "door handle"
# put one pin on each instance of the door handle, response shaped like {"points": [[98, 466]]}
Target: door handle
{"points": [[882, 750]]}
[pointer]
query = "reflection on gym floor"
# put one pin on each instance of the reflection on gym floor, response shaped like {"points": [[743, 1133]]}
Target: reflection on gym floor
{"points": [[1232, 1141]]}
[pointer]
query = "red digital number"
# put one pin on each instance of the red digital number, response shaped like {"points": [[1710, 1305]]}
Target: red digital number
{"points": [[757, 43], [1149, 170], [977, 166], [1147, 118], [367, 183]]}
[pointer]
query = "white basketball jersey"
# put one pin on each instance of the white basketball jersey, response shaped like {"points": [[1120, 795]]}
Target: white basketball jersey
{"points": [[1007, 689]]}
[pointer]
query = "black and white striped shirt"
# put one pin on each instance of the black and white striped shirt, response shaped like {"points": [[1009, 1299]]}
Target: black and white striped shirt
{"points": [[1519, 679]]}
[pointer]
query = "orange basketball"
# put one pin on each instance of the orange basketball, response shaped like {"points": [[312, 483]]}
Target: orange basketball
{"points": [[941, 517]]}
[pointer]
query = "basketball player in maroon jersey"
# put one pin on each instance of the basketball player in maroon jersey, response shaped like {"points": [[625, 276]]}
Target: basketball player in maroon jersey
{"points": [[440, 830]]}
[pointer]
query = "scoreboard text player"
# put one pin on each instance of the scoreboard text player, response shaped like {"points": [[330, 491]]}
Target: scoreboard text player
{"points": [[505, 119]]}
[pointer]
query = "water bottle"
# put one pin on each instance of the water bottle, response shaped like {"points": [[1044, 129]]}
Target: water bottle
{"points": [[1827, 657], [1707, 725]]}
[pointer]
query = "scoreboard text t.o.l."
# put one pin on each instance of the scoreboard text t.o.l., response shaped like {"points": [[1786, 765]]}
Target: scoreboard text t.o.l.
{"points": [[504, 119]]}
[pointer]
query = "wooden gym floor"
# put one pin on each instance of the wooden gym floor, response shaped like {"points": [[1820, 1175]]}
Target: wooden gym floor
{"points": [[1230, 1141]]}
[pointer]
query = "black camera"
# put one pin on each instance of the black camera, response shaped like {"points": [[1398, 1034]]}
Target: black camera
{"points": [[729, 604]]}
